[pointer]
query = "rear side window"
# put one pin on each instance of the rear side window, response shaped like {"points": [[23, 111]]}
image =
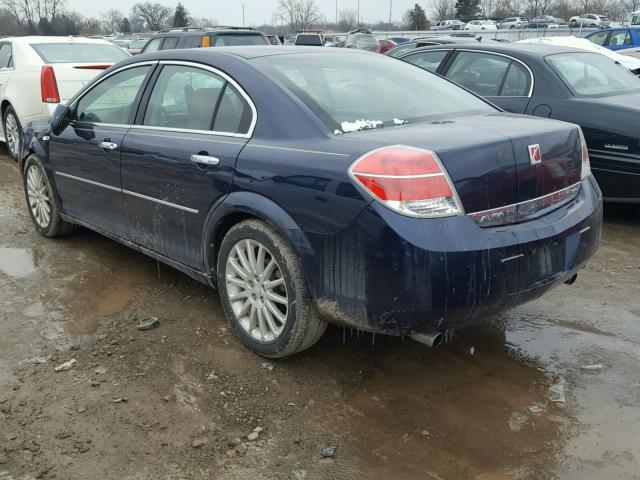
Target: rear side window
{"points": [[78, 52], [619, 37], [5, 56], [184, 97], [598, 38], [427, 60], [490, 75], [153, 45], [170, 43], [234, 114], [112, 100], [235, 39], [192, 41]]}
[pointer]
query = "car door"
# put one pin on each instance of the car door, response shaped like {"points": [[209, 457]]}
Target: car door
{"points": [[179, 158], [503, 80], [429, 60], [85, 157]]}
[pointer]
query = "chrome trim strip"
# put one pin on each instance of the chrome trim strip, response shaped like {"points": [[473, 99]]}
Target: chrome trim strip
{"points": [[128, 192], [526, 210], [161, 202], [187, 130], [585, 229], [613, 171], [90, 182], [508, 259], [298, 150], [134, 131]]}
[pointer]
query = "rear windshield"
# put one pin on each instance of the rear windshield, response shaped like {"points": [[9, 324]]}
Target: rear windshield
{"points": [[309, 40], [78, 52], [593, 74], [358, 92], [362, 39], [238, 39]]}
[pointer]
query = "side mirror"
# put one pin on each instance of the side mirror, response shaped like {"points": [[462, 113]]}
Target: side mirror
{"points": [[60, 119]]}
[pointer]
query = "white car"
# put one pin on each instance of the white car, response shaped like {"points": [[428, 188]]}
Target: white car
{"points": [[480, 25], [589, 20], [38, 73], [631, 63]]}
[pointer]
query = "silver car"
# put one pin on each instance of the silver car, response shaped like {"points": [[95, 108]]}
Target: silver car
{"points": [[513, 22], [589, 20]]}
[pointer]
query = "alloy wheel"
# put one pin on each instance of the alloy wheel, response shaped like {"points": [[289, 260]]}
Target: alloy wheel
{"points": [[38, 196], [13, 134], [256, 290]]}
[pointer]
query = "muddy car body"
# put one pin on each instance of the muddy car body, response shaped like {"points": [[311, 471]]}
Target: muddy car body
{"points": [[411, 225]]}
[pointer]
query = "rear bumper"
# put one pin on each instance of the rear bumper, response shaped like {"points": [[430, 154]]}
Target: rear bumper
{"points": [[618, 176], [398, 275]]}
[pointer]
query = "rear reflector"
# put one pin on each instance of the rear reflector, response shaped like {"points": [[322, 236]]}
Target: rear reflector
{"points": [[92, 67], [408, 180], [584, 156], [49, 85]]}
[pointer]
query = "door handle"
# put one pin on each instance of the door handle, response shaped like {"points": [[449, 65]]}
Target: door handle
{"points": [[205, 160], [108, 145]]}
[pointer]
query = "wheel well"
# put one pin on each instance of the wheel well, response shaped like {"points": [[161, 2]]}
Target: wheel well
{"points": [[218, 235], [3, 107]]}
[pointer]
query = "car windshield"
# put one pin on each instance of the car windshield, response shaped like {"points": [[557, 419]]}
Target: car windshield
{"points": [[78, 52], [236, 40], [359, 92], [593, 74]]}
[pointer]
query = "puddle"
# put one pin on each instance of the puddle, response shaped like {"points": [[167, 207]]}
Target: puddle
{"points": [[19, 262]]}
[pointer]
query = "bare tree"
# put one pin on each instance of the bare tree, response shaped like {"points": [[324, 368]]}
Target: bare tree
{"points": [[202, 22], [308, 13], [533, 8], [348, 19], [112, 19], [298, 14], [154, 15], [487, 7], [443, 9]]}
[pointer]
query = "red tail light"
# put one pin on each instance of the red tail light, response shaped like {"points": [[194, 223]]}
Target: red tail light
{"points": [[407, 180], [584, 156], [49, 85]]}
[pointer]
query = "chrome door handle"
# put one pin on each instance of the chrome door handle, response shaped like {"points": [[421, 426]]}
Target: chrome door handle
{"points": [[108, 146], [205, 160]]}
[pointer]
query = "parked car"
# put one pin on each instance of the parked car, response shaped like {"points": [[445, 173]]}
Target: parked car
{"points": [[362, 41], [480, 25], [37, 73], [192, 37], [632, 63], [564, 83], [274, 40], [385, 45], [622, 40], [400, 40], [317, 185], [310, 39], [449, 25], [426, 41], [589, 20], [545, 21], [513, 22]]}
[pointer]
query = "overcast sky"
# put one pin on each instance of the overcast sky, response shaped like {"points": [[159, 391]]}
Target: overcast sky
{"points": [[257, 12]]}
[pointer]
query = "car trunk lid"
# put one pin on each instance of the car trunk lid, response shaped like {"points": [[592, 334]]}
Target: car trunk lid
{"points": [[71, 77]]}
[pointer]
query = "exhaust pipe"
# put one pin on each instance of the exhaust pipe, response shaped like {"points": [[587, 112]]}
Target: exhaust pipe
{"points": [[432, 339]]}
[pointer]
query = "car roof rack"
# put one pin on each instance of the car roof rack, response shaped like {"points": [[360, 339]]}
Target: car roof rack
{"points": [[205, 29]]}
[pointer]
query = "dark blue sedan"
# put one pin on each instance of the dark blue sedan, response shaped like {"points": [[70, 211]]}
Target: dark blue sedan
{"points": [[319, 185]]}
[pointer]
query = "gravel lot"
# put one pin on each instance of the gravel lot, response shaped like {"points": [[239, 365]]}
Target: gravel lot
{"points": [[550, 390]]}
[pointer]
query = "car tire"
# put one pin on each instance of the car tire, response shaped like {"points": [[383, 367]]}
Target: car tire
{"points": [[42, 201], [274, 316], [512, 27], [12, 133]]}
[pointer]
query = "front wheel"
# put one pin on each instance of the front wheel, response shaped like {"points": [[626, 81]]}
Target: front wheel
{"points": [[41, 201], [12, 132], [264, 293]]}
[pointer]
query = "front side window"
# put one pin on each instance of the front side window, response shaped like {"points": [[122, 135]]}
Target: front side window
{"points": [[357, 92], [153, 45], [427, 60], [5, 56], [73, 52], [593, 74], [481, 73], [112, 100], [184, 97]]}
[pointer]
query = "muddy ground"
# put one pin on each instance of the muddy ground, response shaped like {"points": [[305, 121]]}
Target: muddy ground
{"points": [[511, 400]]}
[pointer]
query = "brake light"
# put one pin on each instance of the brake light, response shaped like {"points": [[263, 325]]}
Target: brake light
{"points": [[49, 85], [408, 180], [584, 156], [206, 41]]}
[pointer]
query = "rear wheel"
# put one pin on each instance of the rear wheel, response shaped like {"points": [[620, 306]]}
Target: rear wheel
{"points": [[41, 201], [12, 132], [264, 293]]}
